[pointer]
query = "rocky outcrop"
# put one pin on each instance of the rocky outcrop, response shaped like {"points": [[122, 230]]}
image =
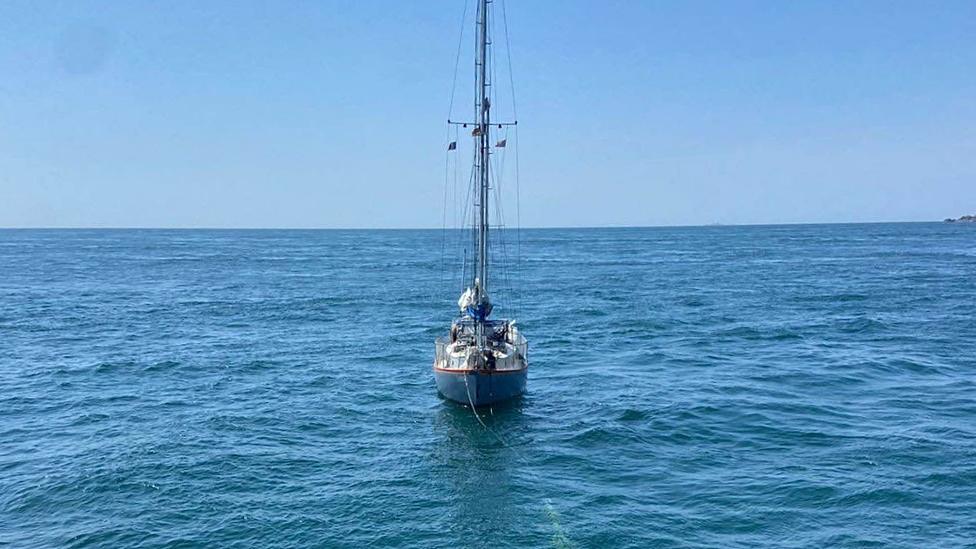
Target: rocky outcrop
{"points": [[964, 219]]}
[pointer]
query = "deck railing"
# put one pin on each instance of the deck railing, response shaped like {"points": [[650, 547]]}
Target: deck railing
{"points": [[521, 347], [440, 348], [441, 344]]}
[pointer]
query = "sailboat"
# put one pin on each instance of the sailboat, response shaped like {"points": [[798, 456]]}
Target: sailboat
{"points": [[482, 361]]}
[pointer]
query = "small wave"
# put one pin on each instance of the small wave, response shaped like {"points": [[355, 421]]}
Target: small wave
{"points": [[632, 414], [832, 298], [113, 367], [162, 366], [861, 326], [751, 333], [592, 312], [744, 332], [883, 497]]}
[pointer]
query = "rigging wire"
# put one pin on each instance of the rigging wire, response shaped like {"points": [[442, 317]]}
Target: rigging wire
{"points": [[468, 202], [447, 176], [455, 201], [500, 239], [508, 53], [518, 198], [457, 59], [497, 173], [450, 112], [518, 229]]}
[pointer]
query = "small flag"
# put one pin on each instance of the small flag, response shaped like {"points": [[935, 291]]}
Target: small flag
{"points": [[476, 131], [452, 145], [501, 144]]}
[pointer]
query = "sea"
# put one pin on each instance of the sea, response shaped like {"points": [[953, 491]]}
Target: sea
{"points": [[721, 386]]}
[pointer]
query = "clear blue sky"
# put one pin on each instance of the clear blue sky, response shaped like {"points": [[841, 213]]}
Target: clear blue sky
{"points": [[331, 114]]}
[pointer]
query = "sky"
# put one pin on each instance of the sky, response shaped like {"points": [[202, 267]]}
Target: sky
{"points": [[332, 113]]}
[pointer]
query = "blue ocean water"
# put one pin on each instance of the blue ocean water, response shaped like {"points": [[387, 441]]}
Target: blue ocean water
{"points": [[776, 386]]}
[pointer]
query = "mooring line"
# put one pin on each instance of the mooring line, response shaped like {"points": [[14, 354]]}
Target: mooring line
{"points": [[559, 540], [467, 390]]}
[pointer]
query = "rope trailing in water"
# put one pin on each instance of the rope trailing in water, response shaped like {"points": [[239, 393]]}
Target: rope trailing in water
{"points": [[467, 390], [559, 539]]}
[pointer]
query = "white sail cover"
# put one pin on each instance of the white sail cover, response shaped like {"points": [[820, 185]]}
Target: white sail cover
{"points": [[469, 302], [466, 300]]}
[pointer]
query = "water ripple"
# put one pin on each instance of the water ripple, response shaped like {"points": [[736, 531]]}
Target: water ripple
{"points": [[800, 386]]}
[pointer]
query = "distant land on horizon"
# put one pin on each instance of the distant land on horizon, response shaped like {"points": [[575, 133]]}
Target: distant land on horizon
{"points": [[963, 219]]}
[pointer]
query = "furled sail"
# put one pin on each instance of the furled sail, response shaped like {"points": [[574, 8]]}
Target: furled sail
{"points": [[475, 303]]}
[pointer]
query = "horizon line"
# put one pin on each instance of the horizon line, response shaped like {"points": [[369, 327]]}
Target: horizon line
{"points": [[549, 227]]}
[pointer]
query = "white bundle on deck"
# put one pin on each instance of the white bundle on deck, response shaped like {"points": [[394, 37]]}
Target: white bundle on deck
{"points": [[469, 299]]}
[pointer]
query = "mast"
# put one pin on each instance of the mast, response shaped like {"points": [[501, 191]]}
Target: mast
{"points": [[484, 123]]}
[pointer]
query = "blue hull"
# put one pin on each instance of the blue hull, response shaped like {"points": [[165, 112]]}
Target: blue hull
{"points": [[484, 387]]}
